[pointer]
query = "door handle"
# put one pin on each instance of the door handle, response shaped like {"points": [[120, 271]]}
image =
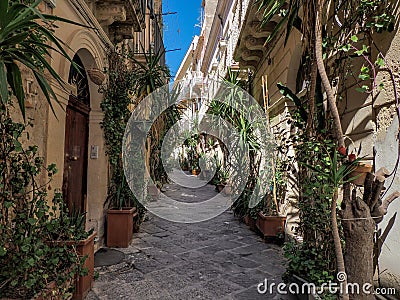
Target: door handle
{"points": [[72, 158]]}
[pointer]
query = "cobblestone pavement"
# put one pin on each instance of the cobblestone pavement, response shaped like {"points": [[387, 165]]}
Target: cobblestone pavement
{"points": [[216, 259]]}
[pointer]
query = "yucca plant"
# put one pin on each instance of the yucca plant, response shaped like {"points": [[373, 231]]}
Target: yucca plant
{"points": [[289, 13], [26, 37], [151, 74]]}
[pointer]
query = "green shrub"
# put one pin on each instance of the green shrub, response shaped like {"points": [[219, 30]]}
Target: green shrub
{"points": [[33, 251]]}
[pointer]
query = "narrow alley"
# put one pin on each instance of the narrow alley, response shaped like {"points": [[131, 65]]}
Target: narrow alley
{"points": [[216, 259]]}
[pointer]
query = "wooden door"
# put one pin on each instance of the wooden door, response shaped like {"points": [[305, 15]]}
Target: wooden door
{"points": [[75, 155]]}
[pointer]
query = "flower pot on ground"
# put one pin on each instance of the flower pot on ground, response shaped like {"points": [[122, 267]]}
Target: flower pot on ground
{"points": [[70, 234], [184, 164], [84, 283], [221, 180], [195, 172], [360, 173], [270, 226], [81, 283], [250, 221], [120, 226]]}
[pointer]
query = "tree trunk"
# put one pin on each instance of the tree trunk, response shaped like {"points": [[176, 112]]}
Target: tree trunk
{"points": [[359, 236], [338, 133], [359, 219], [338, 245], [325, 80]]}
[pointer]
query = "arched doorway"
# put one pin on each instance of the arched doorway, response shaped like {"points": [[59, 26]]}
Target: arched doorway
{"points": [[76, 140]]}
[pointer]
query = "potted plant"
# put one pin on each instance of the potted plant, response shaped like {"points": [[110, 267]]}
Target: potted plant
{"points": [[250, 219], [184, 164], [270, 226], [120, 216], [195, 164], [222, 182], [71, 232], [269, 221], [195, 169]]}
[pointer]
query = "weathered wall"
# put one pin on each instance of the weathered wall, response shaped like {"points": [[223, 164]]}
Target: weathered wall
{"points": [[48, 131], [386, 139], [367, 123], [92, 52], [281, 65]]}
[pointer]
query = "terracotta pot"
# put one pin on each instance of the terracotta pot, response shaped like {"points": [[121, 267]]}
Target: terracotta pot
{"points": [[360, 172], [270, 226], [249, 221], [83, 284], [120, 226], [195, 172]]}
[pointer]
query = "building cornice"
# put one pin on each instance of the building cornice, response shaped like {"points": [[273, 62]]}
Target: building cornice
{"points": [[85, 12], [187, 59], [215, 30]]}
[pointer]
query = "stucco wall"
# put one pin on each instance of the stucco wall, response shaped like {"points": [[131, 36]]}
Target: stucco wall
{"points": [[49, 129], [368, 121], [386, 151]]}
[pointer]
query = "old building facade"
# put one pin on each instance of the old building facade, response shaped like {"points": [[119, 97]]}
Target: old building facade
{"points": [[233, 38], [72, 138]]}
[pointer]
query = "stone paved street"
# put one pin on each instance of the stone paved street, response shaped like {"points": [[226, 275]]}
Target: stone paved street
{"points": [[216, 259]]}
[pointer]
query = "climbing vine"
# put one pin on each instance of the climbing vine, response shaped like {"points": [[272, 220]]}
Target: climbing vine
{"points": [[338, 38]]}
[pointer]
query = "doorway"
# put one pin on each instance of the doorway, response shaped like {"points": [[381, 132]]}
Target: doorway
{"points": [[76, 141]]}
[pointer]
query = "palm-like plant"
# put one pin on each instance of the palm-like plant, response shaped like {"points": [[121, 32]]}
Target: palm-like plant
{"points": [[150, 74], [26, 38], [289, 13]]}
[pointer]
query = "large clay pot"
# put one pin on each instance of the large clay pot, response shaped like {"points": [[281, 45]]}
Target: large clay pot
{"points": [[249, 221], [83, 284], [120, 226], [195, 172], [270, 226]]}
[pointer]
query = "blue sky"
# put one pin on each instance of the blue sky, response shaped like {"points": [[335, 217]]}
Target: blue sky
{"points": [[180, 28]]}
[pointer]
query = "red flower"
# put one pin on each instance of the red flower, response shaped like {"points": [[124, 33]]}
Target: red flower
{"points": [[342, 150], [352, 157]]}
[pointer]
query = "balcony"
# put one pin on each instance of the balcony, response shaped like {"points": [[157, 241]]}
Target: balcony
{"points": [[154, 43], [121, 18]]}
